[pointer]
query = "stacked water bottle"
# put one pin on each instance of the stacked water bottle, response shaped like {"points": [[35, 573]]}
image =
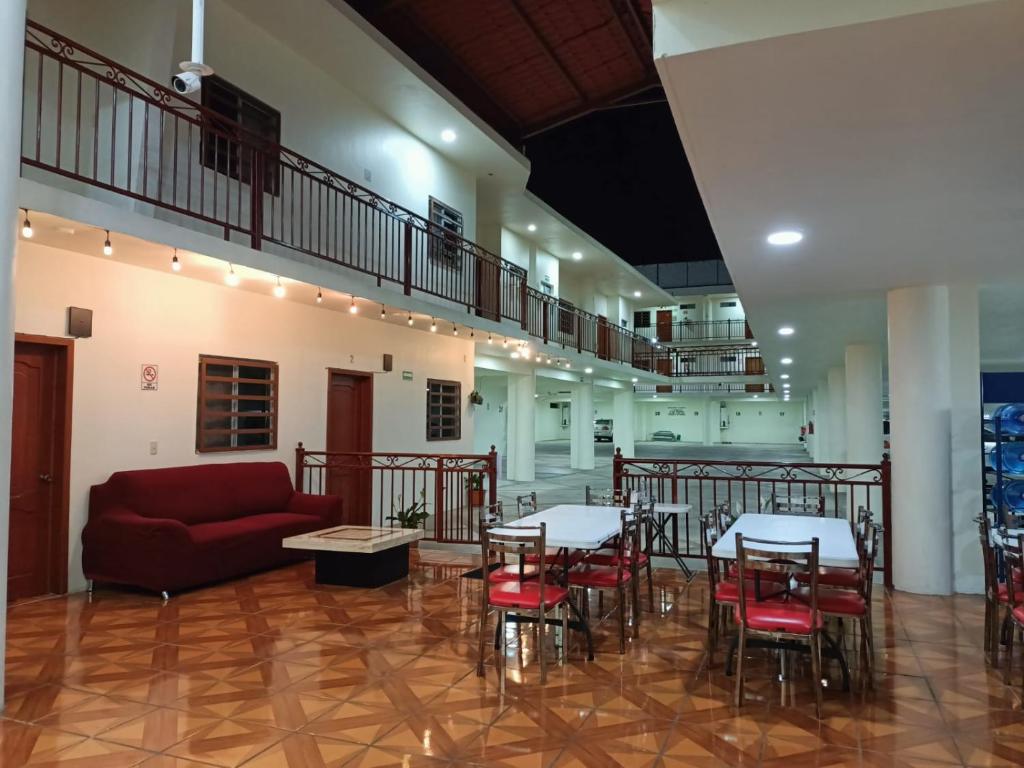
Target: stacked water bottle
{"points": [[1006, 458]]}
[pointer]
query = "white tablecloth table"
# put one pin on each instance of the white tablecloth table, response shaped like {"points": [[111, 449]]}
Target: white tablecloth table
{"points": [[574, 526], [836, 546]]}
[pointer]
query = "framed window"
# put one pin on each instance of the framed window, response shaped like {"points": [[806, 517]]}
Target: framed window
{"points": [[237, 409], [445, 244], [566, 317], [642, 318], [232, 154], [444, 410]]}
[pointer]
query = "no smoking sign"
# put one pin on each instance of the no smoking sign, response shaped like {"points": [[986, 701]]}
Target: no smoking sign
{"points": [[149, 377]]}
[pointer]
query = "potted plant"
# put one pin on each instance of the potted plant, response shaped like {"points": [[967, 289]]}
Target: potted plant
{"points": [[475, 484], [411, 516], [476, 398]]}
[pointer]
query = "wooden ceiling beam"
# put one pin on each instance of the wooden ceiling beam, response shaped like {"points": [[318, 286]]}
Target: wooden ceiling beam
{"points": [[549, 51], [588, 107]]}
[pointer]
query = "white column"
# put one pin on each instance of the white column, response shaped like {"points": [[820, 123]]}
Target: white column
{"points": [[581, 443], [712, 434], [821, 425], [934, 414], [12, 30], [624, 419], [837, 414], [863, 404], [522, 414], [965, 415]]}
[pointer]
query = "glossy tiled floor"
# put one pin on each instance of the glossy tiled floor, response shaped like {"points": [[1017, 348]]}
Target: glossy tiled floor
{"points": [[272, 671]]}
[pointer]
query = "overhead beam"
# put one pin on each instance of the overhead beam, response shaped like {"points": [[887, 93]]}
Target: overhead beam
{"points": [[550, 52], [644, 53], [589, 107]]}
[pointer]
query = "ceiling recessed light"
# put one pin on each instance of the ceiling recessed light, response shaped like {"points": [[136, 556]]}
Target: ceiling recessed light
{"points": [[785, 237], [637, 294], [634, 379], [448, 136], [756, 396], [786, 331], [753, 343], [532, 227], [784, 376], [786, 360], [576, 255], [785, 385], [588, 370]]}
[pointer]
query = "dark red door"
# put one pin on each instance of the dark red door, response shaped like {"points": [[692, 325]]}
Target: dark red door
{"points": [[663, 323], [349, 432], [31, 569], [603, 334]]}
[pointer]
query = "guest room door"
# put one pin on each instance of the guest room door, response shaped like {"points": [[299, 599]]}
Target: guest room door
{"points": [[350, 431], [40, 437]]}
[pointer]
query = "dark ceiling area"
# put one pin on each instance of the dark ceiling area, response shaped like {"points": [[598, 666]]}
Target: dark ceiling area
{"points": [[572, 83]]}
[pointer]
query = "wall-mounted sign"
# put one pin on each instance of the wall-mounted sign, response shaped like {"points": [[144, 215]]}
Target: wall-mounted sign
{"points": [[676, 411], [149, 377], [406, 375]]}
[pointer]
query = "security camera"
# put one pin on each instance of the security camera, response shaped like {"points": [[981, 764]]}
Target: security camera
{"points": [[187, 82]]}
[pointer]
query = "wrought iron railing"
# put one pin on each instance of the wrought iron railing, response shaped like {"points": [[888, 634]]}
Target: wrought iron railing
{"points": [[697, 330], [733, 360], [453, 488], [709, 388], [748, 486]]}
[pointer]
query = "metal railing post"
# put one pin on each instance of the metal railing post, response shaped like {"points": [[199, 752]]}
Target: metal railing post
{"points": [[492, 477], [407, 259], [887, 519], [300, 462]]}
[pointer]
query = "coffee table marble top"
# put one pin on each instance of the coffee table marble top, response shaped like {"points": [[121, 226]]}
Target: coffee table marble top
{"points": [[353, 538]]}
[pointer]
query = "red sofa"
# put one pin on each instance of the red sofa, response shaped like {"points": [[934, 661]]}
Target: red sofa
{"points": [[169, 529]]}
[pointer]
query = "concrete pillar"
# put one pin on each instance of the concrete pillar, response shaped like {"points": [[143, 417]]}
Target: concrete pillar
{"points": [[581, 442], [533, 274], [837, 414], [863, 404], [965, 412], [934, 410], [711, 432], [624, 419], [12, 30], [522, 415], [821, 425]]}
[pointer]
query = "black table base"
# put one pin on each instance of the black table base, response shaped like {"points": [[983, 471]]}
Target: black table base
{"points": [[362, 569]]}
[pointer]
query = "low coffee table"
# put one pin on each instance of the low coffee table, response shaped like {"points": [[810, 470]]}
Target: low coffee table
{"points": [[358, 555]]}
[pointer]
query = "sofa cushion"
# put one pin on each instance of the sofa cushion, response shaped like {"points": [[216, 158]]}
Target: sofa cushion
{"points": [[205, 493], [243, 530]]}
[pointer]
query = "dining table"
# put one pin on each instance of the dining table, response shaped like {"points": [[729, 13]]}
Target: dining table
{"points": [[664, 512], [837, 548], [569, 527]]}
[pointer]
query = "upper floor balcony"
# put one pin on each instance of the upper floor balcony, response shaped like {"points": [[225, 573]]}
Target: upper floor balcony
{"points": [[672, 331]]}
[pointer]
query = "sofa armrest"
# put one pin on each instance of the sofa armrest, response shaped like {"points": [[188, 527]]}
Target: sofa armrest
{"points": [[327, 508], [124, 527]]}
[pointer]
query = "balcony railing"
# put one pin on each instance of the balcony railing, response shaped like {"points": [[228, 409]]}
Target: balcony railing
{"points": [[747, 486], [702, 361], [697, 330], [710, 388], [453, 489], [89, 119]]}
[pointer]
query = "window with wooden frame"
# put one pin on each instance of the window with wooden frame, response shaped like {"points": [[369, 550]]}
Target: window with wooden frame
{"points": [[445, 244], [566, 317], [642, 318], [237, 408], [444, 410], [231, 151]]}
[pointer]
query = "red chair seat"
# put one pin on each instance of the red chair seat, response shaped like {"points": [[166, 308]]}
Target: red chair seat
{"points": [[597, 576], [776, 576], [729, 591], [510, 572], [771, 616], [1018, 614], [1018, 575], [525, 594], [835, 601], [1004, 594], [602, 559], [828, 576]]}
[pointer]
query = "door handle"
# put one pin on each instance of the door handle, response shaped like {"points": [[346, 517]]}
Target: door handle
{"points": [[46, 478]]}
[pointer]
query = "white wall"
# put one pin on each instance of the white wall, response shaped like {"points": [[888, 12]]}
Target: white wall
{"points": [[516, 249], [490, 420], [320, 117], [549, 420], [148, 316], [761, 422], [547, 268], [684, 417]]}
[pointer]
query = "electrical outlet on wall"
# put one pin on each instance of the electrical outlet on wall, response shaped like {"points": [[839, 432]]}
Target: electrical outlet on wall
{"points": [[153, 447]]}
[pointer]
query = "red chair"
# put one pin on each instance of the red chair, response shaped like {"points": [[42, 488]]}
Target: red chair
{"points": [[645, 512], [616, 577], [525, 596], [777, 619], [1013, 558]]}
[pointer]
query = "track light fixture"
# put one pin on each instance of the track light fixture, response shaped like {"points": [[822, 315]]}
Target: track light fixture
{"points": [[108, 249], [26, 226]]}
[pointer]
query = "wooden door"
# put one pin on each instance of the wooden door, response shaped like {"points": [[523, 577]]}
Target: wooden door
{"points": [[603, 334], [39, 440], [664, 325], [488, 288], [349, 431]]}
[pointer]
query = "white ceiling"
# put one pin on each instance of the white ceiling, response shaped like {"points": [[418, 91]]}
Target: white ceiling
{"points": [[895, 146]]}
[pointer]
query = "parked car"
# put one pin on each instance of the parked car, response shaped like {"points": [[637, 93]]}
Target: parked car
{"points": [[602, 430], [666, 436]]}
